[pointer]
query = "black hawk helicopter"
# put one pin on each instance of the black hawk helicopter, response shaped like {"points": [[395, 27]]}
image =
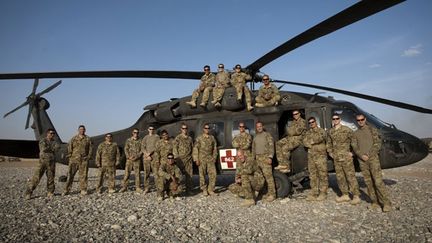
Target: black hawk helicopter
{"points": [[399, 148]]}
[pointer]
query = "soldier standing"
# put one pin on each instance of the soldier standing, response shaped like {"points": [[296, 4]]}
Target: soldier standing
{"points": [[133, 154], [268, 94], [205, 155], [222, 82], [48, 148], [243, 140], [171, 178], [163, 147], [107, 158], [366, 145], [290, 142], [148, 146], [206, 85], [338, 146], [183, 146], [80, 150], [238, 80], [314, 140], [249, 178], [263, 151]]}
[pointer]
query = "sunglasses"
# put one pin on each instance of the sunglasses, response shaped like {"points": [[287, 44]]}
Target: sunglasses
{"points": [[170, 158], [360, 119], [336, 118], [51, 133], [265, 79], [184, 128], [206, 127], [135, 132], [311, 122], [295, 114], [241, 126]]}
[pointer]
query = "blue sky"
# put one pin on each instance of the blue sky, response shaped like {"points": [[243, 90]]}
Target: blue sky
{"points": [[387, 55]]}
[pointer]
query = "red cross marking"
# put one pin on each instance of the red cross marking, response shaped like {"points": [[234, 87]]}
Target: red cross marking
{"points": [[229, 158]]}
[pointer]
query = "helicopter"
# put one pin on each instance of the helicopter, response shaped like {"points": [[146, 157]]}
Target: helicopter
{"points": [[399, 148]]}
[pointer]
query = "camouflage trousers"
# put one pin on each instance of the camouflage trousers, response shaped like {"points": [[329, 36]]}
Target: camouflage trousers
{"points": [[153, 166], [47, 167], [345, 174], [207, 167], [108, 171], [218, 93], [135, 166], [251, 184], [82, 167], [239, 89], [284, 148], [170, 187], [266, 103], [267, 171], [317, 167], [371, 171], [205, 96], [186, 167]]}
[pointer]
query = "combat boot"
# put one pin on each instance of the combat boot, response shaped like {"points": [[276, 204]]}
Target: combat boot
{"points": [[247, 203], [123, 189], [270, 198], [50, 195], [311, 197], [203, 104], [205, 193], [259, 105], [111, 191], [322, 196], [387, 208], [28, 195], [374, 206], [191, 103], [214, 102], [212, 193], [217, 105], [249, 107], [160, 198], [343, 198], [138, 190], [65, 193], [83, 193], [355, 200]]}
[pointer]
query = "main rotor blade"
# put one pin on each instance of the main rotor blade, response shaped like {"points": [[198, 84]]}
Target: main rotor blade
{"points": [[29, 114], [362, 96], [49, 88], [19, 107], [348, 16], [106, 74], [35, 84]]}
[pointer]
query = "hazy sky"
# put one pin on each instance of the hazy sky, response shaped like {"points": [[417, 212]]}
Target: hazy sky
{"points": [[387, 55]]}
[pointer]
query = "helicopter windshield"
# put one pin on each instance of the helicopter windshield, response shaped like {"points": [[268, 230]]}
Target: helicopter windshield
{"points": [[348, 118]]}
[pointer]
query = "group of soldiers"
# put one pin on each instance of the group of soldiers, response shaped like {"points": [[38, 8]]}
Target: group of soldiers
{"points": [[171, 161], [268, 94]]}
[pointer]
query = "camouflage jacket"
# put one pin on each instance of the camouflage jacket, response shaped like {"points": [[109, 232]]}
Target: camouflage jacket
{"points": [[242, 141], [297, 128], [207, 81], [263, 144], [249, 167], [222, 79], [239, 78], [80, 148], [168, 171], [270, 92], [163, 148], [366, 141], [132, 149], [148, 144], [205, 148], [183, 146], [315, 140], [47, 149], [107, 154], [339, 142]]}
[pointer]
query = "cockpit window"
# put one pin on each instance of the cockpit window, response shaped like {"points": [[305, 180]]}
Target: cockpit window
{"points": [[348, 117], [218, 131], [250, 127], [371, 119]]}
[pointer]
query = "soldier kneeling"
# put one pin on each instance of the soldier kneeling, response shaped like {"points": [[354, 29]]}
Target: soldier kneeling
{"points": [[170, 179]]}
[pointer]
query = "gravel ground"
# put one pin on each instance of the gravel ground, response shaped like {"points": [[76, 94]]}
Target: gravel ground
{"points": [[127, 217]]}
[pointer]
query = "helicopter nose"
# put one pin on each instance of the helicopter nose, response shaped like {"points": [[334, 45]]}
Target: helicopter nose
{"points": [[402, 149]]}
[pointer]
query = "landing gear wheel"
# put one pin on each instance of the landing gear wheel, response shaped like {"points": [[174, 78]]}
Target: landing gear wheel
{"points": [[283, 184]]}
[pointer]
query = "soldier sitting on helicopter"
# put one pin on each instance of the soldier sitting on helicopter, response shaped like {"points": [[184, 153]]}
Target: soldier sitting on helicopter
{"points": [[268, 94], [206, 85]]}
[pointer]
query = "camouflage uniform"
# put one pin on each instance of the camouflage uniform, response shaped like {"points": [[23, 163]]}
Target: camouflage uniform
{"points": [[252, 179], [287, 144], [205, 151], [148, 145], [262, 150], [366, 141], [243, 141], [107, 158], [222, 82], [338, 146], [171, 178], [238, 80], [163, 148], [79, 153], [314, 140], [267, 96], [206, 85], [132, 150], [183, 146], [48, 148]]}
